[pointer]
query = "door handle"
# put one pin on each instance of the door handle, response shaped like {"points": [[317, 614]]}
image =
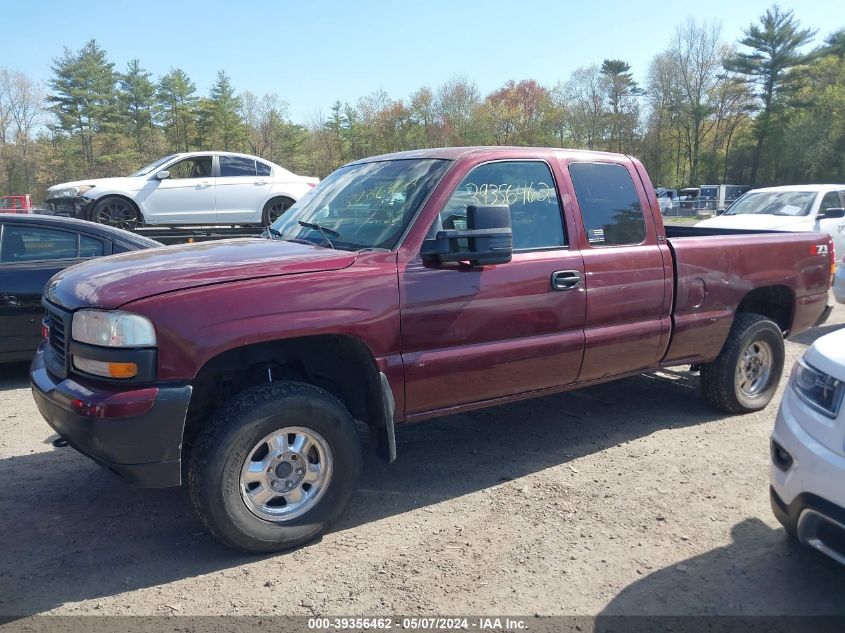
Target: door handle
{"points": [[260, 182], [566, 280]]}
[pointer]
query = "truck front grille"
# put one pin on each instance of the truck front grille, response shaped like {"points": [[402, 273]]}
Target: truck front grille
{"points": [[59, 339]]}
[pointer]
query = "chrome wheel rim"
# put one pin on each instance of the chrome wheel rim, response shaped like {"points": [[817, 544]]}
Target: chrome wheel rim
{"points": [[286, 473], [754, 369], [276, 210], [117, 213]]}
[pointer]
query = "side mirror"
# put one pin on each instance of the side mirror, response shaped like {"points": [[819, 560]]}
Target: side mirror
{"points": [[832, 212], [163, 175], [488, 239]]}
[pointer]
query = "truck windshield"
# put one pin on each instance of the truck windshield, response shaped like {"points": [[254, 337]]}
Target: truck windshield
{"points": [[773, 203], [365, 205], [146, 169]]}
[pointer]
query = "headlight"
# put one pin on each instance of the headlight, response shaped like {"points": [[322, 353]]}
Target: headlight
{"points": [[70, 192], [816, 388], [112, 328]]}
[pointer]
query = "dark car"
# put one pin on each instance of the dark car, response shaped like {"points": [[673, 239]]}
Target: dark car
{"points": [[33, 248]]}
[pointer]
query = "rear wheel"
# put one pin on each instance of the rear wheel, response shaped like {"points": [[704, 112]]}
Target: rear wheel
{"points": [[116, 212], [745, 375], [275, 467], [274, 209]]}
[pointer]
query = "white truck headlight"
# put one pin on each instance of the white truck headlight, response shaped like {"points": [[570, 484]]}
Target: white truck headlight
{"points": [[818, 389], [112, 328]]}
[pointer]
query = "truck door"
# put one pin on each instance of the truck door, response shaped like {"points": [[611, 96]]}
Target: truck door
{"points": [[471, 334], [628, 299]]}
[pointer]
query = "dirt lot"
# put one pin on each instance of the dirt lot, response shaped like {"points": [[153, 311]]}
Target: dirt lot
{"points": [[628, 498]]}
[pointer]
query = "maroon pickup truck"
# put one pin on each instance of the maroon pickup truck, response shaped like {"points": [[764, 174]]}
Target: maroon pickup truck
{"points": [[403, 287]]}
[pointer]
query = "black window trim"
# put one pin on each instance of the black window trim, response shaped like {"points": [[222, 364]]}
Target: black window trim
{"points": [[267, 165], [175, 161], [581, 213], [254, 166], [561, 209], [107, 245]]}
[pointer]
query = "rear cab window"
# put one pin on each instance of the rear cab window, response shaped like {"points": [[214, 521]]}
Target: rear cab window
{"points": [[610, 205]]}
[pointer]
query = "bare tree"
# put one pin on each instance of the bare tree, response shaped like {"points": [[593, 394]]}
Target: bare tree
{"points": [[457, 102], [585, 98], [696, 57], [21, 112]]}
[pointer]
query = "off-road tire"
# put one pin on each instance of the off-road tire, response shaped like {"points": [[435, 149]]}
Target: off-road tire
{"points": [[223, 446], [719, 384]]}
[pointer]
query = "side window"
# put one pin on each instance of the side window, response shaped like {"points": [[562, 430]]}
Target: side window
{"points": [[526, 186], [89, 246], [197, 167], [609, 204], [236, 166], [29, 244], [262, 169], [830, 201]]}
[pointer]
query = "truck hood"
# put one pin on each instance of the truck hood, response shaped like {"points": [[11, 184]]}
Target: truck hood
{"points": [[761, 221], [109, 282], [100, 184]]}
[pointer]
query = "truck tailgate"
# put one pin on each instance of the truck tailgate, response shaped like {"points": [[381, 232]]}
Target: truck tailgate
{"points": [[716, 269]]}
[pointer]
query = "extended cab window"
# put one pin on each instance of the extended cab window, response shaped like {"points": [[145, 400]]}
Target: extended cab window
{"points": [[610, 206], [527, 187], [25, 244], [236, 166]]}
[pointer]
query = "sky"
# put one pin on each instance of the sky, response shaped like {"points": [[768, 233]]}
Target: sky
{"points": [[314, 53]]}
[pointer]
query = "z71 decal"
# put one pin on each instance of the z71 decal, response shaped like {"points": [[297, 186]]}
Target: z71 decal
{"points": [[819, 249]]}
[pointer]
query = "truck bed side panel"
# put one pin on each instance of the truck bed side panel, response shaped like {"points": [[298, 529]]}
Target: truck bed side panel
{"points": [[714, 274]]}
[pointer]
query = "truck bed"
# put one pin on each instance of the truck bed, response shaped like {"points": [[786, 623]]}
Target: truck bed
{"points": [[718, 269]]}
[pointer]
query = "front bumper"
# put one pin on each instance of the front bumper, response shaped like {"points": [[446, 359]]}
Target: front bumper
{"points": [[807, 491], [135, 433], [75, 207]]}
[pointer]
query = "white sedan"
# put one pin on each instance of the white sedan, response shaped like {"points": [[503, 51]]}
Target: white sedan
{"points": [[808, 449], [189, 188]]}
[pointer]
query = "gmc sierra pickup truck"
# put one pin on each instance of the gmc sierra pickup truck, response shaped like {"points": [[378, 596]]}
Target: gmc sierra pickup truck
{"points": [[401, 288]]}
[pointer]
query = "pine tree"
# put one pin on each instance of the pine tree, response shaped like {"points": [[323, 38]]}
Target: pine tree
{"points": [[221, 123], [178, 108], [138, 101], [620, 87], [775, 45], [84, 95]]}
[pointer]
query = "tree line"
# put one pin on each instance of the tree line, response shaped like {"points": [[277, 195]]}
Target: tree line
{"points": [[768, 109]]}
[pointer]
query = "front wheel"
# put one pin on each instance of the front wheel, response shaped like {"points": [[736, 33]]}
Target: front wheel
{"points": [[275, 467], [274, 209], [116, 212], [745, 375]]}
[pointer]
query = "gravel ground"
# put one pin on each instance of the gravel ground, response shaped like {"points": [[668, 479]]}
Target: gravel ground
{"points": [[628, 498]]}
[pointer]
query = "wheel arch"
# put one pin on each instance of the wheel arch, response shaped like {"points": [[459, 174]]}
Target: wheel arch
{"points": [[342, 365], [122, 196], [776, 302]]}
